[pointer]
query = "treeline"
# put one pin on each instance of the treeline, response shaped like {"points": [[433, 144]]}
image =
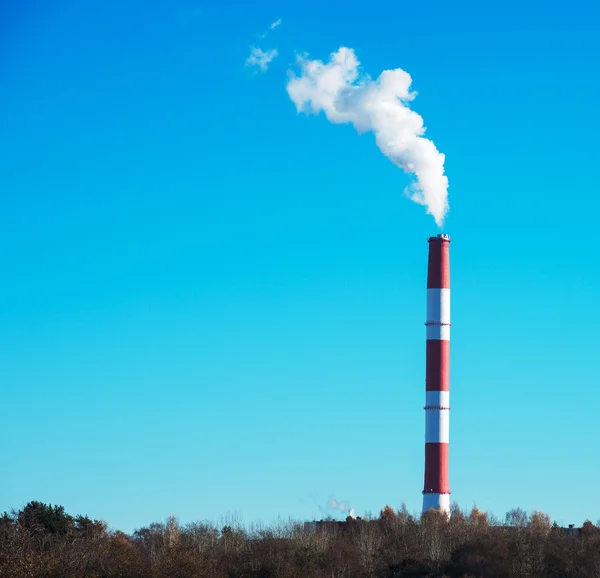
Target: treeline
{"points": [[44, 541]]}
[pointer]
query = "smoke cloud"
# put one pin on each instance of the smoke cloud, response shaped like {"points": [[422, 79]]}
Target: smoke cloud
{"points": [[333, 504], [382, 107], [260, 59]]}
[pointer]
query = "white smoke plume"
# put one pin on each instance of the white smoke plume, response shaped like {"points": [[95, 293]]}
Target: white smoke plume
{"points": [[379, 106]]}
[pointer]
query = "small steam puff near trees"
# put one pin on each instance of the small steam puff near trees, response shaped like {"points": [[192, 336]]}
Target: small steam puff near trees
{"points": [[339, 90], [41, 541], [337, 509]]}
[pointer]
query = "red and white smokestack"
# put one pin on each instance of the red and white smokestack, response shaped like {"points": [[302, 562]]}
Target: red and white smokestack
{"points": [[436, 493]]}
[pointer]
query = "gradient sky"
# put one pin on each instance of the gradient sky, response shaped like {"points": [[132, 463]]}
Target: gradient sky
{"points": [[212, 304]]}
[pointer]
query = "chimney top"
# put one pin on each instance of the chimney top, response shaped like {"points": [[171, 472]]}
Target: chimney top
{"points": [[440, 237]]}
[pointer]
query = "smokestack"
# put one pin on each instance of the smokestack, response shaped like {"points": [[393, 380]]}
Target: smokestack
{"points": [[436, 493]]}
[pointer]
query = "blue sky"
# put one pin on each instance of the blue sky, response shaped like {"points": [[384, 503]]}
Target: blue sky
{"points": [[210, 303]]}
